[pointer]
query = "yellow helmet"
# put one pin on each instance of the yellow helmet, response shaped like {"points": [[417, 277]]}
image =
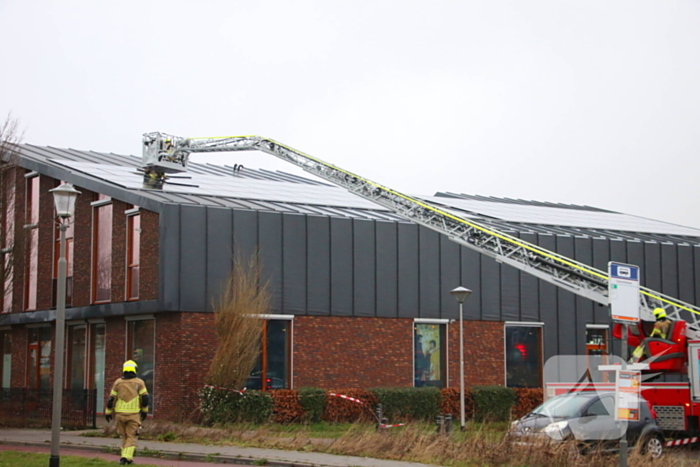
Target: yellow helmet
{"points": [[659, 313], [130, 365]]}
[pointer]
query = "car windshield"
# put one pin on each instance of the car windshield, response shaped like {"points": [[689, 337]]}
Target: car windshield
{"points": [[564, 406]]}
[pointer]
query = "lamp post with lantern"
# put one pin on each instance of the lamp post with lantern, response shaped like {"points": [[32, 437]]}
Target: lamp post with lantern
{"points": [[64, 197], [460, 294]]}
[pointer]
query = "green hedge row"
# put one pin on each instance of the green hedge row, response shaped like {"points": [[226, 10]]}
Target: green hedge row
{"points": [[310, 405]]}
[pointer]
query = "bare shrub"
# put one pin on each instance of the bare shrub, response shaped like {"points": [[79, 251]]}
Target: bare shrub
{"points": [[238, 325]]}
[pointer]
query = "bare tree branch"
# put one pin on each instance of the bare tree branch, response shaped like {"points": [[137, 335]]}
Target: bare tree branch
{"points": [[238, 324], [10, 138]]}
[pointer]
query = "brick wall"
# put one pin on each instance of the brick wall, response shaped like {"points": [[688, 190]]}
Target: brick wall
{"points": [[483, 353], [185, 345], [352, 352], [150, 237]]}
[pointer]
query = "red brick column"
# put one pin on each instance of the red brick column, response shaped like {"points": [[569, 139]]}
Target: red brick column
{"points": [[484, 359]]}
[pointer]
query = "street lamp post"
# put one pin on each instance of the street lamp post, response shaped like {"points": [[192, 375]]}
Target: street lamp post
{"points": [[64, 200], [460, 294]]}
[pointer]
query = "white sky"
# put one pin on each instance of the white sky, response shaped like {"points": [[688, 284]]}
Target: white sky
{"points": [[592, 102]]}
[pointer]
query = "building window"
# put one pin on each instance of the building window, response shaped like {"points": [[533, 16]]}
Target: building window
{"points": [[96, 362], [142, 345], [133, 255], [7, 242], [39, 357], [102, 252], [69, 264], [272, 367], [429, 354], [77, 336], [32, 259], [6, 362], [597, 350], [523, 349]]}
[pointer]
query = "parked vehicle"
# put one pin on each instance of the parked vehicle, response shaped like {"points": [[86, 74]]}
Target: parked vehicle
{"points": [[586, 419]]}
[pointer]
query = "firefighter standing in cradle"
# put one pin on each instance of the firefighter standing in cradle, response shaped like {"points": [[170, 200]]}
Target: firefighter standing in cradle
{"points": [[129, 401]]}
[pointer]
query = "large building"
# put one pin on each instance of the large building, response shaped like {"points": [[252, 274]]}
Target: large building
{"points": [[360, 295]]}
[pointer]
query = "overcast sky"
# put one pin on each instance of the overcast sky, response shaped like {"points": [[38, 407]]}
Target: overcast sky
{"points": [[583, 102]]}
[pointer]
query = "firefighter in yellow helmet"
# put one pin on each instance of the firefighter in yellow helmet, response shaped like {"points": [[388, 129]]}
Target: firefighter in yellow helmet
{"points": [[129, 402], [661, 328]]}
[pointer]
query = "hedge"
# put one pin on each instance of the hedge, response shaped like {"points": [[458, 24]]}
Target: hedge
{"points": [[310, 405]]}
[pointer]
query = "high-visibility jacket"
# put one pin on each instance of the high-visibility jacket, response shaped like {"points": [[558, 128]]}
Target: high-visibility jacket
{"points": [[127, 394]]}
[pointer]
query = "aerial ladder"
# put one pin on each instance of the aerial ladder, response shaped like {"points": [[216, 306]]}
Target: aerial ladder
{"points": [[165, 154]]}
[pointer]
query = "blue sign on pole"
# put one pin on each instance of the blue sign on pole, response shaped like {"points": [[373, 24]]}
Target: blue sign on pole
{"points": [[623, 292]]}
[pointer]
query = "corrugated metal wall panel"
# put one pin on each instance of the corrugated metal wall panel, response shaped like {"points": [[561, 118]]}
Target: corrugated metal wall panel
{"points": [[566, 305], [294, 267], [319, 265], [548, 304], [245, 234], [219, 251], [193, 258], [510, 293], [429, 270], [364, 273], [601, 256], [270, 241], [685, 274], [529, 291], [341, 267], [651, 267], [471, 279], [408, 270], [490, 289], [669, 270], [387, 269], [169, 256], [583, 247], [450, 277]]}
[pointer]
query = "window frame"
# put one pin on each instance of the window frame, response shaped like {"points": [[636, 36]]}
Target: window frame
{"points": [[99, 204], [540, 357], [31, 225], [131, 215], [288, 350], [444, 347]]}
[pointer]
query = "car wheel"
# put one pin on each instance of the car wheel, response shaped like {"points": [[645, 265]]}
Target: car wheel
{"points": [[653, 447]]}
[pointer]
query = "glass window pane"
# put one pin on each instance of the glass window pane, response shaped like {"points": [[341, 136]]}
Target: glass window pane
{"points": [[523, 356], [428, 350], [97, 361], [33, 272], [77, 357], [142, 336], [102, 269], [6, 338], [276, 377]]}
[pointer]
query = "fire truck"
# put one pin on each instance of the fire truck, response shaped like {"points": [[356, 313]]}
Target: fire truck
{"points": [[677, 405]]}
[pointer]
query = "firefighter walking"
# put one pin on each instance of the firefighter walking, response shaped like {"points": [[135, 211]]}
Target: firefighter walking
{"points": [[128, 401]]}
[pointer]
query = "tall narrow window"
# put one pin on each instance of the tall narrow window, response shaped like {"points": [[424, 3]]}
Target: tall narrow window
{"points": [[523, 347], [7, 242], [141, 338], [272, 369], [97, 362], [39, 357], [76, 356], [32, 258], [6, 363], [69, 263], [102, 252], [429, 351], [133, 256]]}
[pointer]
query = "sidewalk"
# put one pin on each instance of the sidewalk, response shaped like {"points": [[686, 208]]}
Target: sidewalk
{"points": [[195, 452]]}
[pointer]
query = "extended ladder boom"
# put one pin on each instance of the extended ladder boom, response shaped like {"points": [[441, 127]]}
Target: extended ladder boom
{"points": [[552, 267]]}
